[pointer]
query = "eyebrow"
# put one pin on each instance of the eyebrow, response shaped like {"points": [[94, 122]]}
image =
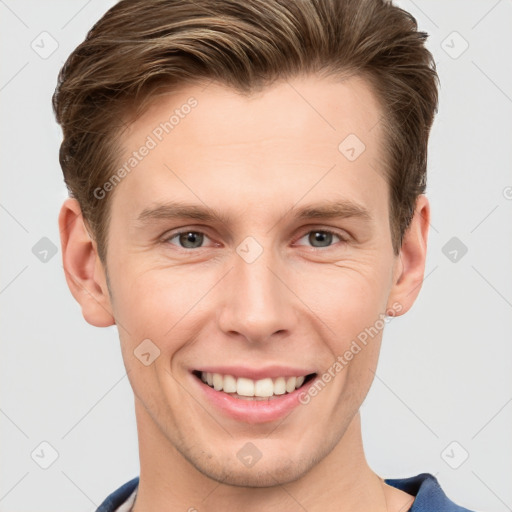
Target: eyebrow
{"points": [[326, 210], [333, 209]]}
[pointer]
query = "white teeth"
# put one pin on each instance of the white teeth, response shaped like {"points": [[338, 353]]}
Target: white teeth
{"points": [[264, 387], [217, 381], [290, 384], [229, 385], [280, 386], [244, 387]]}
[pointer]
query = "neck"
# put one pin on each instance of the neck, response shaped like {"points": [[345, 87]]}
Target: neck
{"points": [[341, 481]]}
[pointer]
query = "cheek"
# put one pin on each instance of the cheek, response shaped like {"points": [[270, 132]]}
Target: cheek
{"points": [[349, 296], [165, 307], [155, 303]]}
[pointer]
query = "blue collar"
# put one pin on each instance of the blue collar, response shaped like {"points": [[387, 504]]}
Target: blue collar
{"points": [[429, 495], [425, 487]]}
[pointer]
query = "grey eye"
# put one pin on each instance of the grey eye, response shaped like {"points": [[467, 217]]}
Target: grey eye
{"points": [[189, 239], [319, 238], [323, 238]]}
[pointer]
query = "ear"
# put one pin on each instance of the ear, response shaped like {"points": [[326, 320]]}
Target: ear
{"points": [[84, 271], [410, 263]]}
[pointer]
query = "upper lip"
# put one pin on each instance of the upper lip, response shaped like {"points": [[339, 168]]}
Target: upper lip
{"points": [[271, 372]]}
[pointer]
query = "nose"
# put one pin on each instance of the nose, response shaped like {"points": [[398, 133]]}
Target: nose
{"points": [[256, 303]]}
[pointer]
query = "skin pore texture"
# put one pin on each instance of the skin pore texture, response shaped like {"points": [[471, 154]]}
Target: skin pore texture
{"points": [[255, 161]]}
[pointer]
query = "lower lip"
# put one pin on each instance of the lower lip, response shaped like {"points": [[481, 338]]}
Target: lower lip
{"points": [[253, 411]]}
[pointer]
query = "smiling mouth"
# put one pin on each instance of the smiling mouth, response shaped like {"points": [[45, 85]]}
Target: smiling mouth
{"points": [[249, 389]]}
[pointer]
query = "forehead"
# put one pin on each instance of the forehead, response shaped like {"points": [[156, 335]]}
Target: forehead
{"points": [[303, 106], [208, 141]]}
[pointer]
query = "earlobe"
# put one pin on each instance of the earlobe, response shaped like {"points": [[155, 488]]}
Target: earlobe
{"points": [[83, 270], [410, 271]]}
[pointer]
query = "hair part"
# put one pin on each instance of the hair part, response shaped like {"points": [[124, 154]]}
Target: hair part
{"points": [[141, 47]]}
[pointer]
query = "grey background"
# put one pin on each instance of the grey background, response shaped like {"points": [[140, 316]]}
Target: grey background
{"points": [[445, 373]]}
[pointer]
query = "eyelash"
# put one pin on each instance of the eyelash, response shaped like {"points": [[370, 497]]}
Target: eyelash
{"points": [[169, 237]]}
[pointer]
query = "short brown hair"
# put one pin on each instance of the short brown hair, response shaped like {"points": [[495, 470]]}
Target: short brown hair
{"points": [[141, 45]]}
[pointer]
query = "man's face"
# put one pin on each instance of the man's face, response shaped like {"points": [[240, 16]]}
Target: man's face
{"points": [[258, 286]]}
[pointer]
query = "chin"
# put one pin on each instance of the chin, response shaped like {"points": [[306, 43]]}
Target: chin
{"points": [[263, 474], [257, 478]]}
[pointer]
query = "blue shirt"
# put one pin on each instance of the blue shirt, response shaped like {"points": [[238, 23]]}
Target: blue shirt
{"points": [[429, 497]]}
